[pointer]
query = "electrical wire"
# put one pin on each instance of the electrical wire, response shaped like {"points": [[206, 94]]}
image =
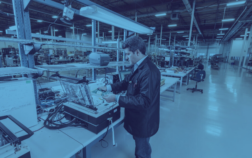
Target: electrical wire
{"points": [[102, 140], [53, 22]]}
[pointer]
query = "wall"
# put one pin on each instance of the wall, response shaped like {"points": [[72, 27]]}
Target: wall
{"points": [[236, 48], [208, 49]]}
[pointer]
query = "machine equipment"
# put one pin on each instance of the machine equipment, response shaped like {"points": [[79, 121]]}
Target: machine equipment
{"points": [[98, 58], [11, 146], [83, 107], [10, 57]]}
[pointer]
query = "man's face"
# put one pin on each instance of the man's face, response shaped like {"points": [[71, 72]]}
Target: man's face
{"points": [[130, 56]]}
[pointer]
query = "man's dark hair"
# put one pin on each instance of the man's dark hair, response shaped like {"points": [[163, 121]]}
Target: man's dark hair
{"points": [[134, 43]]}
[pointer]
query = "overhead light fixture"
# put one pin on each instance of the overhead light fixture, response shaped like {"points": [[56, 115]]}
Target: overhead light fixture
{"points": [[109, 42], [223, 29], [162, 14], [228, 20], [39, 20], [221, 34], [185, 36], [55, 16], [56, 30], [236, 3], [180, 31], [110, 31], [89, 25], [114, 19], [172, 25]]}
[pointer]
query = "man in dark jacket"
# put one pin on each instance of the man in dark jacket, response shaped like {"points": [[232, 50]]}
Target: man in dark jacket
{"points": [[142, 101]]}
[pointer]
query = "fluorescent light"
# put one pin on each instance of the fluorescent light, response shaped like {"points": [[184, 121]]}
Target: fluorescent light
{"points": [[235, 3], [107, 42], [56, 30], [110, 31], [221, 34], [172, 25], [105, 16], [163, 14], [89, 25], [54, 16], [180, 31], [223, 29], [228, 20], [185, 36], [39, 20]]}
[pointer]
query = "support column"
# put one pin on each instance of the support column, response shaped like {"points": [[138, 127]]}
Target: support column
{"points": [[170, 39], [98, 31], [93, 44], [149, 45], [124, 38], [191, 26], [113, 33], [118, 54], [135, 20], [243, 47], [161, 34]]}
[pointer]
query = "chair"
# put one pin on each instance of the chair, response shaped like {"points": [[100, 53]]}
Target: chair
{"points": [[200, 76]]}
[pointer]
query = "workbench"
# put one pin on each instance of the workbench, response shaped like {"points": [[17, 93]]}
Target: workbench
{"points": [[66, 142], [180, 75]]}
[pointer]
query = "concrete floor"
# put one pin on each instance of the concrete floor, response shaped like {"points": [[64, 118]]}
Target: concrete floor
{"points": [[215, 124]]}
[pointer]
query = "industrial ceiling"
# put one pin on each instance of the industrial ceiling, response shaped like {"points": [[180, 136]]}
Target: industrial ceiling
{"points": [[208, 16]]}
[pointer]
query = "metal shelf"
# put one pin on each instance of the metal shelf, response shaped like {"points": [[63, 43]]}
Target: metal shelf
{"points": [[10, 71], [67, 67]]}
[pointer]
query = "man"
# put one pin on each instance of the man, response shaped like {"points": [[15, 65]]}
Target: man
{"points": [[142, 101]]}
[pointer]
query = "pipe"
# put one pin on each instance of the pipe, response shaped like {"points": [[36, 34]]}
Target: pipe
{"points": [[227, 34], [192, 18]]}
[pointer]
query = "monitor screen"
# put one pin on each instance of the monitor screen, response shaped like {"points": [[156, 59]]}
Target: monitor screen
{"points": [[124, 74]]}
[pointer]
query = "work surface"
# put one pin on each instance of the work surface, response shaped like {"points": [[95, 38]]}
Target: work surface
{"points": [[66, 142], [77, 66]]}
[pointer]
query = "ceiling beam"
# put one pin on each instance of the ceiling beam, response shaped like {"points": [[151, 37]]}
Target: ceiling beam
{"points": [[189, 9]]}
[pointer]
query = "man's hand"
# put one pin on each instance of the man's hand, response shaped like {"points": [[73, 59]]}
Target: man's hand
{"points": [[110, 98], [104, 88]]}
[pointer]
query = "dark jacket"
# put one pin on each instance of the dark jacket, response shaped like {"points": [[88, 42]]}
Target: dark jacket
{"points": [[142, 101]]}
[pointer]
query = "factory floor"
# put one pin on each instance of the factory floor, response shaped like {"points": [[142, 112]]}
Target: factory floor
{"points": [[215, 124]]}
